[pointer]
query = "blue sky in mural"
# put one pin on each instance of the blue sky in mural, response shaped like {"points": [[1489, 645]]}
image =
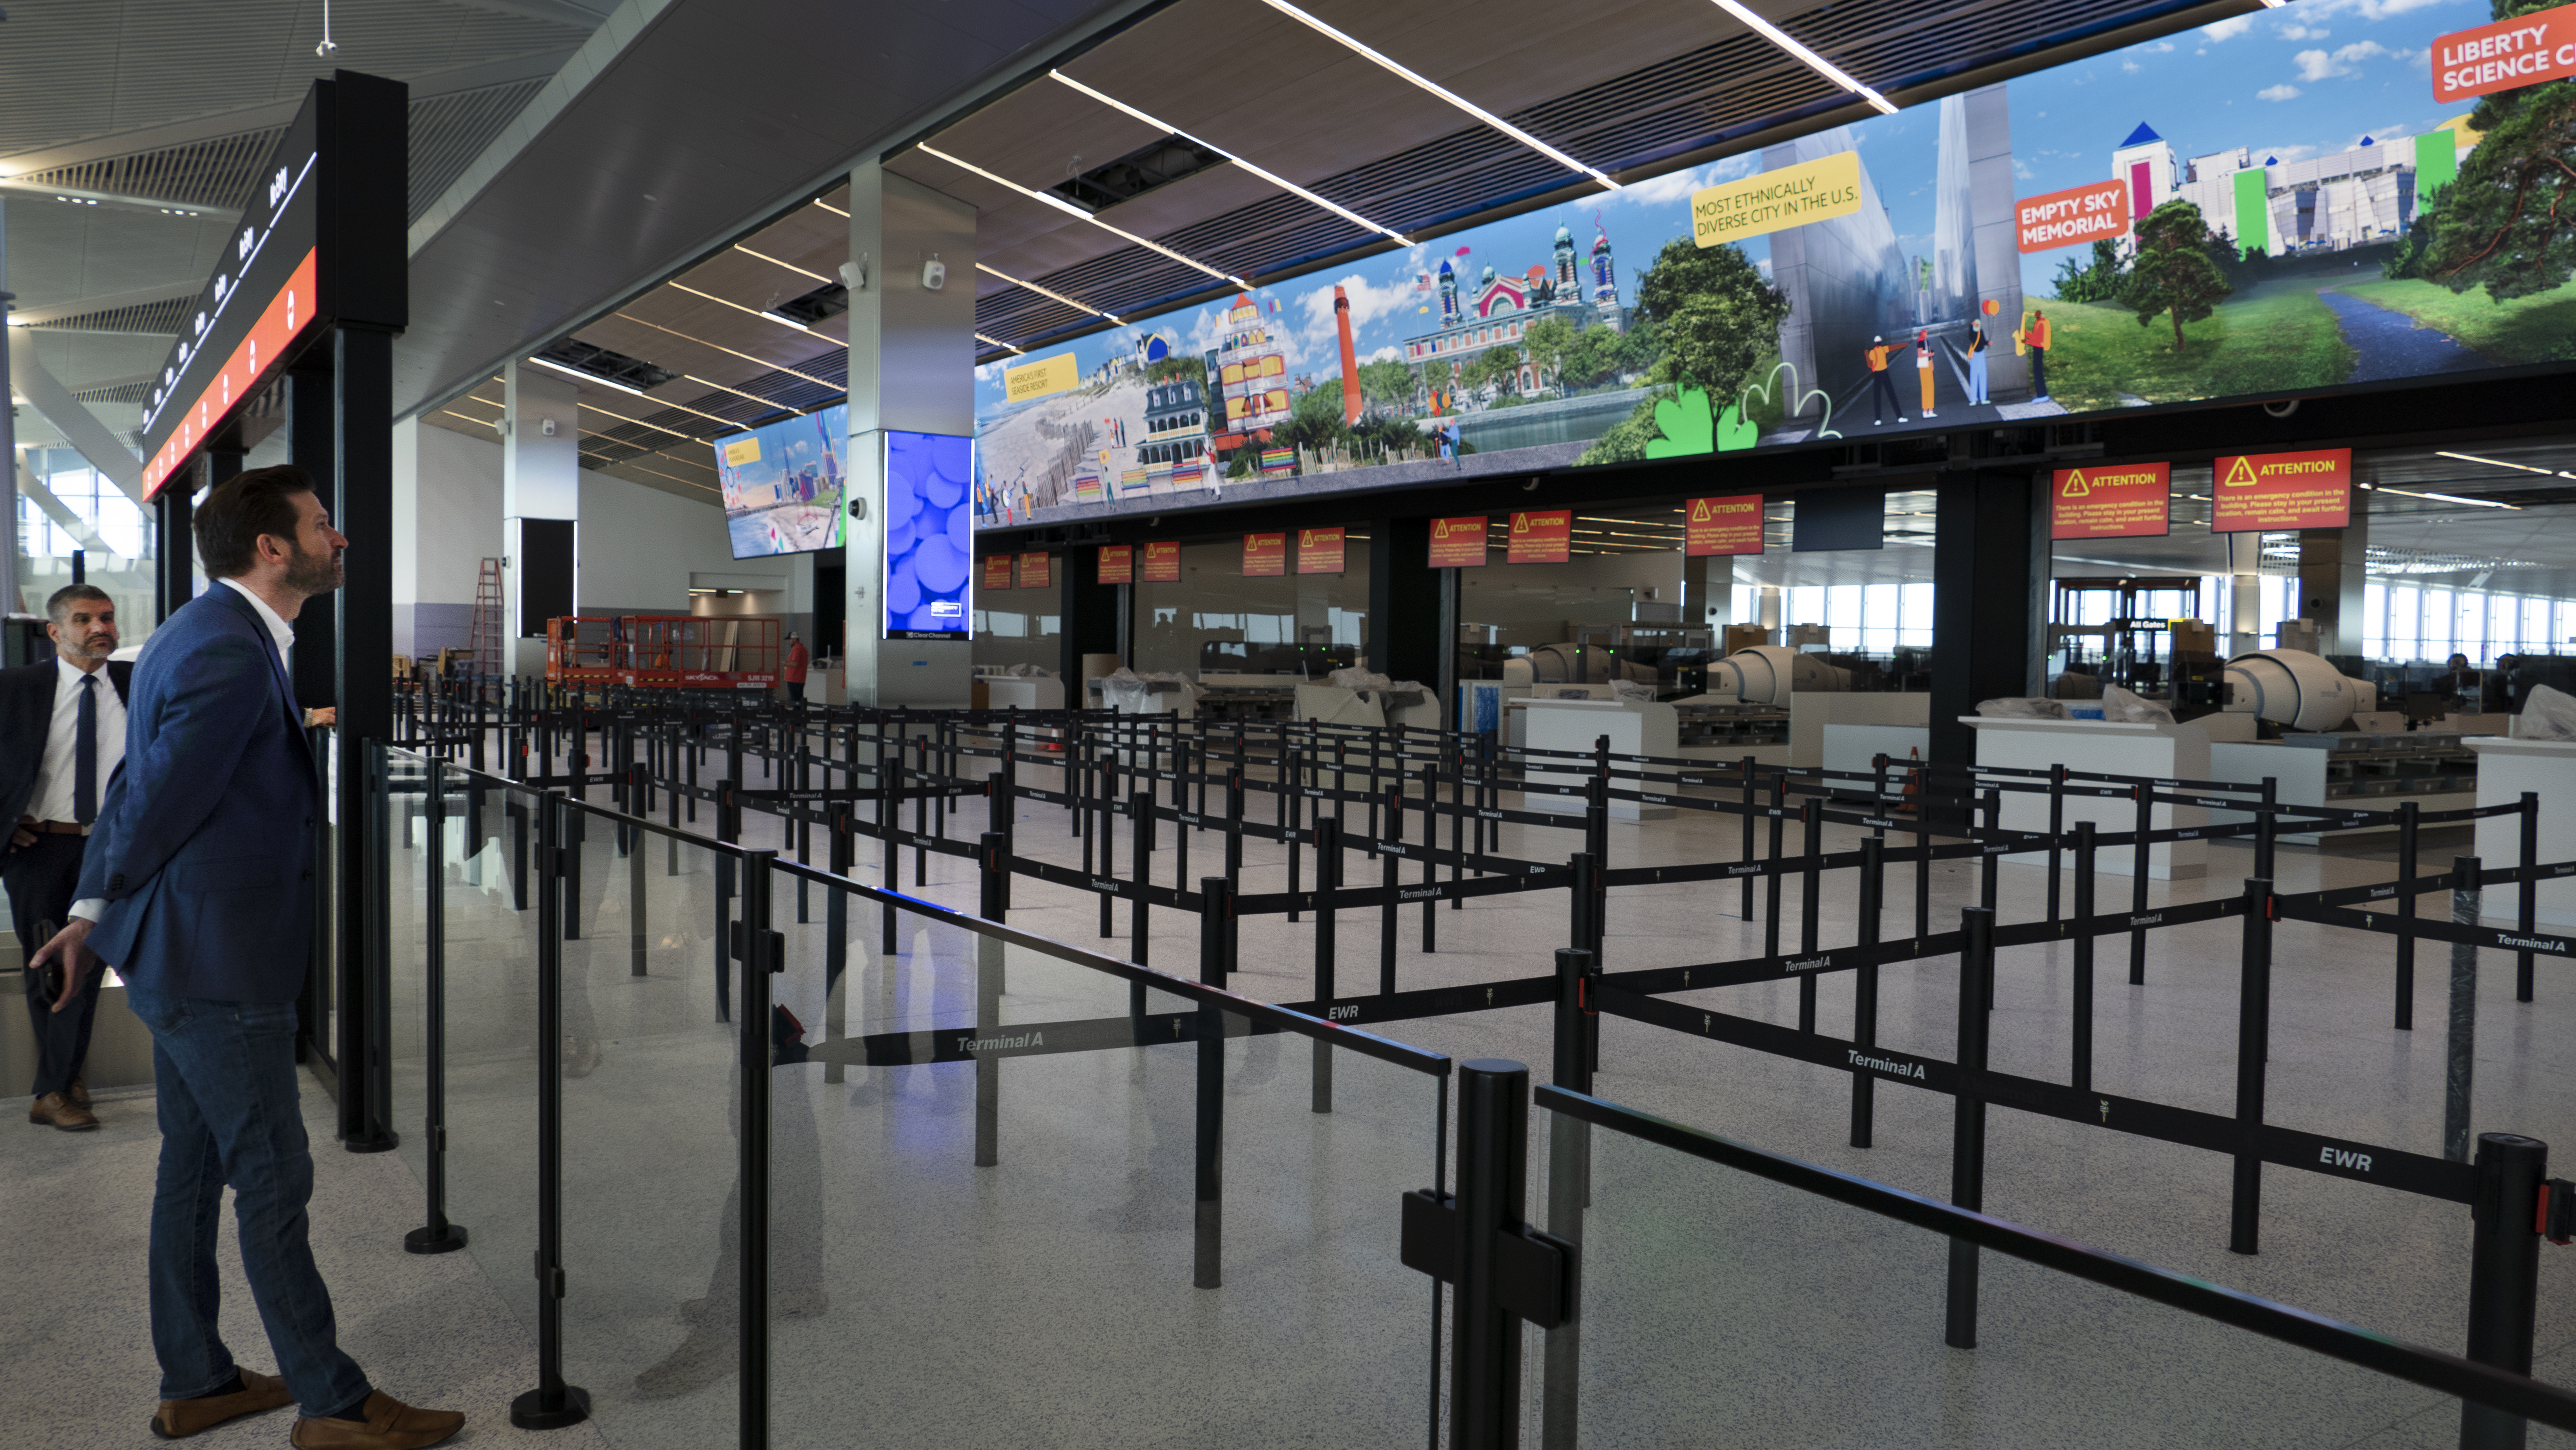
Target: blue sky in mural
{"points": [[2309, 79]]}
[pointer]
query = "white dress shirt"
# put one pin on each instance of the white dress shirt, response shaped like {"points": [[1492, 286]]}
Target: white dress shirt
{"points": [[57, 779], [282, 634]]}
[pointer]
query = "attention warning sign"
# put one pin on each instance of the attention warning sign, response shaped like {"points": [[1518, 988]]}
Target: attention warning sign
{"points": [[1542, 536], [2116, 501], [1264, 555], [1118, 563], [1730, 525], [1035, 572], [1319, 551], [997, 571], [2257, 491], [1161, 564], [1458, 543]]}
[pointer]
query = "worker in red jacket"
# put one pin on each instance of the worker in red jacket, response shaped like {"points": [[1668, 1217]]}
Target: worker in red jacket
{"points": [[793, 670]]}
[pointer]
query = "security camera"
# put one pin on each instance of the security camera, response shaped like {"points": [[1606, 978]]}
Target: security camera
{"points": [[934, 275], [858, 508], [327, 49], [854, 276], [550, 427]]}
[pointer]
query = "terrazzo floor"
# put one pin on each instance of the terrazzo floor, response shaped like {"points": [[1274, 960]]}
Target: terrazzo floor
{"points": [[1048, 1301]]}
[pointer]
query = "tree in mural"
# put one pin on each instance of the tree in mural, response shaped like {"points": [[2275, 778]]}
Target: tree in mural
{"points": [[2173, 273], [1548, 340], [1388, 384], [2099, 281], [1187, 366], [1713, 313], [2508, 223]]}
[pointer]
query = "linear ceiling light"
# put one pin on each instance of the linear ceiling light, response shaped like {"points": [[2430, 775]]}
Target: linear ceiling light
{"points": [[1068, 208], [1281, 182], [1058, 296], [2489, 462], [2451, 497], [720, 347], [585, 377], [738, 307], [1814, 62], [780, 262], [997, 342], [1443, 92]]}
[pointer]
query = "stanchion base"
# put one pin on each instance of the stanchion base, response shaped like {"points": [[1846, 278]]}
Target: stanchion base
{"points": [[527, 1412], [444, 1239], [382, 1140]]}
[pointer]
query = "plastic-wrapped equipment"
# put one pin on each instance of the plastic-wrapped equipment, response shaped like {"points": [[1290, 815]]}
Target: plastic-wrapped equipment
{"points": [[1767, 674], [2291, 687]]}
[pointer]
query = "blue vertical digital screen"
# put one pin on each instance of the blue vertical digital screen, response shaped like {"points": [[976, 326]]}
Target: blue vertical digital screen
{"points": [[929, 536]]}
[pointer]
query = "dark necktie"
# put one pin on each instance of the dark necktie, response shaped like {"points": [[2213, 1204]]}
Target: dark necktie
{"points": [[85, 754]]}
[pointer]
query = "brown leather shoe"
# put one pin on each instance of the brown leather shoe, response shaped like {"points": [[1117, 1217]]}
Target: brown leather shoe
{"points": [[53, 1110], [78, 1092], [178, 1419], [390, 1425]]}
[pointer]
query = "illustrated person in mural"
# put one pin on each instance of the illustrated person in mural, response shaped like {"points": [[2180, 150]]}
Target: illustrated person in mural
{"points": [[1879, 384], [2033, 339], [1923, 366], [1977, 343]]}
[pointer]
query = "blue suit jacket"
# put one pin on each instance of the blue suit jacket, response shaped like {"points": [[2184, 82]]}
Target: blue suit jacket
{"points": [[204, 845]]}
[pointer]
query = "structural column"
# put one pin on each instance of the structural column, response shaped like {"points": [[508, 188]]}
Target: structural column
{"points": [[1406, 603], [540, 510], [1989, 583], [2331, 566], [912, 368]]}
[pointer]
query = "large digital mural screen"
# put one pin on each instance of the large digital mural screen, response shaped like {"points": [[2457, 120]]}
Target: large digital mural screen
{"points": [[783, 483], [2270, 205]]}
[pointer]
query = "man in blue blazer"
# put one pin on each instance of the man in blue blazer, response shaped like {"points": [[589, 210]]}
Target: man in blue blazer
{"points": [[198, 887]]}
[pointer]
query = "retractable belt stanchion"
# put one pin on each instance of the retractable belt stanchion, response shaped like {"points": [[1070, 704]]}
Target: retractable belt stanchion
{"points": [[2504, 1276], [1811, 841], [990, 984], [2253, 1033], [2458, 1079], [436, 1235], [1873, 899], [553, 1403], [1216, 905], [1968, 1120], [2080, 1035]]}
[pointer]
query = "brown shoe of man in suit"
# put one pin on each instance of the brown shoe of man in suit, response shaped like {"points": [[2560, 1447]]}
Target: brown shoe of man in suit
{"points": [[179, 1419], [54, 1110], [390, 1425]]}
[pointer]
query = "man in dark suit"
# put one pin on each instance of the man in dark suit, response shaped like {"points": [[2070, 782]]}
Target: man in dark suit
{"points": [[198, 887], [62, 732]]}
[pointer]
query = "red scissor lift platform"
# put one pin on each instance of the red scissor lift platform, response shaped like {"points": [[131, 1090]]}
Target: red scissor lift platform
{"points": [[581, 649], [698, 652]]}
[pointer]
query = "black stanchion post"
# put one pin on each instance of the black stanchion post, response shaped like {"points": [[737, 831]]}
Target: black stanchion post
{"points": [[1328, 858], [2504, 1277], [552, 1404], [1596, 801], [843, 855], [1569, 1189], [2267, 829], [1140, 849], [1968, 1120], [2462, 1062], [2080, 1033], [2253, 1035], [1291, 811], [436, 1235], [638, 782], [1745, 853], [2056, 832], [2527, 915], [1771, 879], [1390, 882], [1208, 1241], [1430, 870], [2141, 860], [1921, 786], [1811, 841], [1873, 898], [1493, 1172], [989, 986], [761, 956]]}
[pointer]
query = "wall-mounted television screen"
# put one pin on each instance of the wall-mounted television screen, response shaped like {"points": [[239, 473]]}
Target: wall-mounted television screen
{"points": [[785, 484], [929, 536]]}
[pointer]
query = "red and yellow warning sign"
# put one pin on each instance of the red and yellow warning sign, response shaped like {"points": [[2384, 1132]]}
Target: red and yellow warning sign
{"points": [[1458, 543], [1542, 536], [2111, 501], [1319, 551], [1035, 573], [1118, 563], [1729, 525], [1264, 555], [997, 571], [2258, 491], [1162, 563]]}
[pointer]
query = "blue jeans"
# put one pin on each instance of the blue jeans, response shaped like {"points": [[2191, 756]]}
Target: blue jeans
{"points": [[1977, 378], [225, 1076]]}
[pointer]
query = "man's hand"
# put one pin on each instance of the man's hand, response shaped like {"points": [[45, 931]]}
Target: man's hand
{"points": [[322, 715], [19, 836], [66, 947]]}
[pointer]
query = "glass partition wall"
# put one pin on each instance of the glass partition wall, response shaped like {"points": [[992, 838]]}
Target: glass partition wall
{"points": [[1215, 618]]}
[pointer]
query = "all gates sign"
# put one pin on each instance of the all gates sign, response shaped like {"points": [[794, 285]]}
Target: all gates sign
{"points": [[2122, 501], [2257, 491]]}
